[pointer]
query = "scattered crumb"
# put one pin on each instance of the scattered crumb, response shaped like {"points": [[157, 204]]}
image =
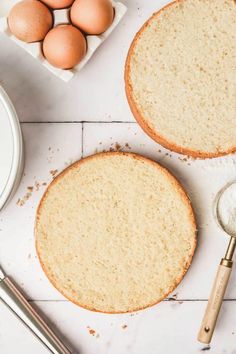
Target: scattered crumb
{"points": [[180, 302], [184, 159], [29, 256], [124, 326], [205, 348], [173, 297], [69, 162], [117, 146], [100, 143], [92, 332], [29, 192], [53, 173], [49, 148], [23, 200], [37, 186]]}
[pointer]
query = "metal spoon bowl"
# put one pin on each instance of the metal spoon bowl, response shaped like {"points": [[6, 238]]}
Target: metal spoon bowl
{"points": [[222, 277]]}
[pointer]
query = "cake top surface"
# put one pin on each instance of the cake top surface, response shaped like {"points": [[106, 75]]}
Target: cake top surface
{"points": [[115, 232], [181, 77]]}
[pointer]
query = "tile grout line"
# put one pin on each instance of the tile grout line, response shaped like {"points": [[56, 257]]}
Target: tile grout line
{"points": [[171, 300], [80, 122], [82, 141]]}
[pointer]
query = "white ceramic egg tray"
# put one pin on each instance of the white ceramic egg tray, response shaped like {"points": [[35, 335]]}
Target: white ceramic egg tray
{"points": [[63, 17]]}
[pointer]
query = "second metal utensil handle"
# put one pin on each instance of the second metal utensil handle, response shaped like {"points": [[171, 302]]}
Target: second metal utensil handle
{"points": [[12, 297], [214, 302]]}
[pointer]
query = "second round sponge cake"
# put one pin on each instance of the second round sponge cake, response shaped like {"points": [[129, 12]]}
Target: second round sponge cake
{"points": [[181, 77], [115, 232]]}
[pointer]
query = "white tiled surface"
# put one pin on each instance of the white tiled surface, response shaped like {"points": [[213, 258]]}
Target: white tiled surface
{"points": [[63, 122]]}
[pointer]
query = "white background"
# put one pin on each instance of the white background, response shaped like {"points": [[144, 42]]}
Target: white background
{"points": [[64, 122]]}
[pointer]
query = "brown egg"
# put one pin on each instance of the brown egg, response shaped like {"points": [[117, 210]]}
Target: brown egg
{"points": [[64, 46], [30, 20], [58, 4], [92, 16]]}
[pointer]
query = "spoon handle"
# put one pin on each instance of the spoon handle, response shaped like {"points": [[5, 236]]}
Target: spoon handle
{"points": [[215, 301], [12, 297]]}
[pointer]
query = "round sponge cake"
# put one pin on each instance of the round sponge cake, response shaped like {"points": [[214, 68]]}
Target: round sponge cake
{"points": [[115, 232], [181, 77]]}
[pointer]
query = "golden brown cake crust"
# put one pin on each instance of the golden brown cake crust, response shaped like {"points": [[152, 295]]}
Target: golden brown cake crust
{"points": [[138, 116], [178, 187]]}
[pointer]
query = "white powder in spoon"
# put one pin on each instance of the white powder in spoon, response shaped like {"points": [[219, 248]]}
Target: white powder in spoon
{"points": [[227, 209]]}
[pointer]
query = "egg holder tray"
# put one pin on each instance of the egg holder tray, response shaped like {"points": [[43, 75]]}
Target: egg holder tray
{"points": [[63, 17]]}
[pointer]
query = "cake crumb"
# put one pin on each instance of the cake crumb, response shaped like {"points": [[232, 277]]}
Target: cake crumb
{"points": [[91, 331], [117, 146], [173, 297], [124, 326], [53, 173], [22, 201], [205, 348], [37, 186]]}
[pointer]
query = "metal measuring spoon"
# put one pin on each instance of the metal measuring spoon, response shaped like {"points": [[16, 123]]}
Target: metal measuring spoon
{"points": [[225, 213]]}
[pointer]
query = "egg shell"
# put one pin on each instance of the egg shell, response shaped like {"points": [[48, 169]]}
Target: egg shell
{"points": [[92, 16], [58, 4], [30, 20], [64, 46]]}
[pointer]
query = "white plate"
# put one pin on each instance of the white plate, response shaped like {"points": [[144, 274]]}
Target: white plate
{"points": [[11, 149]]}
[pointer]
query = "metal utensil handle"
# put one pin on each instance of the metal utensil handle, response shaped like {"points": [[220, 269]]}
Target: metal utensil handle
{"points": [[12, 297], [215, 301]]}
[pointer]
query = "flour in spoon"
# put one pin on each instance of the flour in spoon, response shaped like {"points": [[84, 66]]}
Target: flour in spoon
{"points": [[227, 209]]}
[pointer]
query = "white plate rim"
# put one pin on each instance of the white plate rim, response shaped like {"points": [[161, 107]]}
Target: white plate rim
{"points": [[17, 162]]}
